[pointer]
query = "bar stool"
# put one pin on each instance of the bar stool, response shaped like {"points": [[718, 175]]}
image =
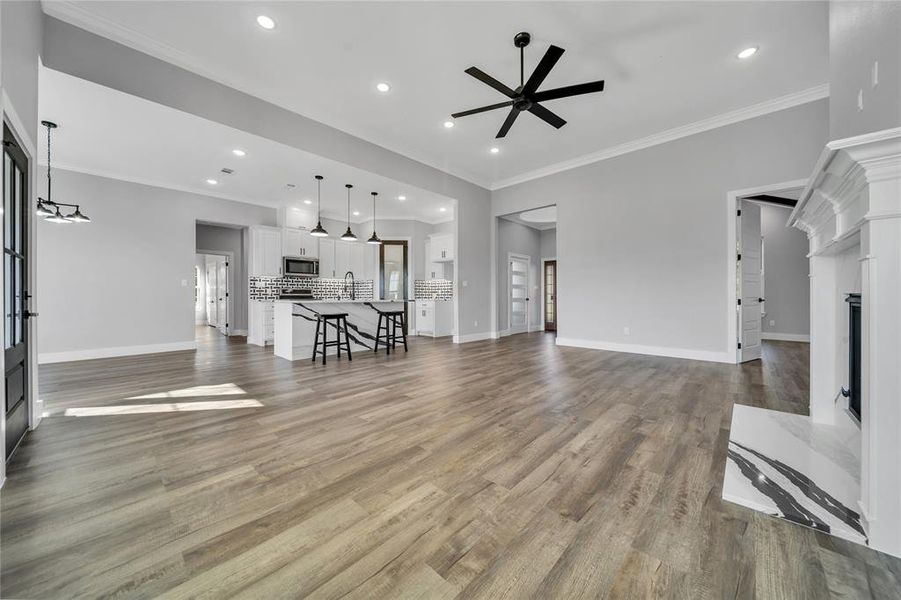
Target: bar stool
{"points": [[340, 323], [392, 320]]}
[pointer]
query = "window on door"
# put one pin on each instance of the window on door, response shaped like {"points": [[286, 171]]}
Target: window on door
{"points": [[550, 295]]}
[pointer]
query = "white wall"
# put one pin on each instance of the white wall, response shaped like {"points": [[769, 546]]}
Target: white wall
{"points": [[229, 239], [861, 33], [518, 239], [548, 243], [114, 285], [642, 236], [787, 269]]}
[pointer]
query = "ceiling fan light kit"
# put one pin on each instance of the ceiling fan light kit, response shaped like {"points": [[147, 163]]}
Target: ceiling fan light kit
{"points": [[526, 97]]}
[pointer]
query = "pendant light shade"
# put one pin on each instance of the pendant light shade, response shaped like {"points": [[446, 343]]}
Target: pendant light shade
{"points": [[348, 235], [319, 231], [77, 217], [44, 209], [374, 239], [58, 217]]}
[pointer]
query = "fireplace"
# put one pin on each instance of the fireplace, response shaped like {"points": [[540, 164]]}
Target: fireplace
{"points": [[854, 337]]}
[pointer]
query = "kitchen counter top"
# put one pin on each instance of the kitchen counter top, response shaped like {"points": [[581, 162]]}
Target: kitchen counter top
{"points": [[324, 301]]}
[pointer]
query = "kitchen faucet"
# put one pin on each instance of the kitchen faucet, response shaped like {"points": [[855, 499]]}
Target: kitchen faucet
{"points": [[353, 294]]}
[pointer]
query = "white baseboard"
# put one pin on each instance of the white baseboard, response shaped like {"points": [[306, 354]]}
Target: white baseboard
{"points": [[784, 337], [238, 332], [474, 337], [56, 357], [706, 355]]}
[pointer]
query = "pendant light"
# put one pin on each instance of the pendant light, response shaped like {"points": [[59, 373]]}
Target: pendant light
{"points": [[374, 239], [319, 231], [348, 235], [50, 209]]}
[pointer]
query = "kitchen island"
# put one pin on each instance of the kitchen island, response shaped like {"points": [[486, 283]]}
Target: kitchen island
{"points": [[295, 324]]}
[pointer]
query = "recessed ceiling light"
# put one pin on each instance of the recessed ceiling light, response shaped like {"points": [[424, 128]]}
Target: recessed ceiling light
{"points": [[495, 150], [748, 52], [295, 209], [212, 181], [356, 213], [239, 152], [442, 209], [265, 22], [382, 87], [401, 198], [448, 124], [308, 201]]}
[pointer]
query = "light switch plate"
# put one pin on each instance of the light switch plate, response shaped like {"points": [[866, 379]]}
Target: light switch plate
{"points": [[874, 74]]}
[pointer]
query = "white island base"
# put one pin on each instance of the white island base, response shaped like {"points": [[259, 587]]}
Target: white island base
{"points": [[295, 324]]}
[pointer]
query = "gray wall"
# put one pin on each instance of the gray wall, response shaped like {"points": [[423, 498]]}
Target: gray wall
{"points": [[117, 281], [519, 239], [642, 237], [21, 38], [859, 34], [77, 52], [549, 243], [229, 239], [787, 282]]}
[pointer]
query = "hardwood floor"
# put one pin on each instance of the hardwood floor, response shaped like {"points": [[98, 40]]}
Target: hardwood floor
{"points": [[509, 468]]}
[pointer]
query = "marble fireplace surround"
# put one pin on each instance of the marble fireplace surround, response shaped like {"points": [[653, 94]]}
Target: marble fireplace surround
{"points": [[852, 203]]}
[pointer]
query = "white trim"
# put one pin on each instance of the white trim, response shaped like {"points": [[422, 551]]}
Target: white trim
{"points": [[736, 116], [543, 296], [238, 332], [18, 127], [732, 199], [475, 337], [785, 337], [56, 357], [230, 277], [705, 355]]}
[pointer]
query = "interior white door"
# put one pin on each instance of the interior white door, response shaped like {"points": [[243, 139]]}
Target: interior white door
{"points": [[518, 292], [212, 288], [222, 295], [750, 282]]}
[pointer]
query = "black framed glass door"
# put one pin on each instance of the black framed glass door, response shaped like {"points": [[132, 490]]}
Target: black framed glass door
{"points": [[15, 286]]}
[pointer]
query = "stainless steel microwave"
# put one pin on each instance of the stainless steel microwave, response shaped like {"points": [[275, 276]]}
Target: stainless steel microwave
{"points": [[300, 266]]}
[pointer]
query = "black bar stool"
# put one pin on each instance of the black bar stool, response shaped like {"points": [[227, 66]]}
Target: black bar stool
{"points": [[340, 323], [392, 320]]}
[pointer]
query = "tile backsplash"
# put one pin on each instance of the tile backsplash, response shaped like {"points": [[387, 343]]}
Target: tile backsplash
{"points": [[269, 288], [427, 289]]}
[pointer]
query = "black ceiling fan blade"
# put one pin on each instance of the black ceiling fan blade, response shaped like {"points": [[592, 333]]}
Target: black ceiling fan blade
{"points": [[544, 67], [507, 124], [489, 80], [570, 90], [466, 113], [547, 116]]}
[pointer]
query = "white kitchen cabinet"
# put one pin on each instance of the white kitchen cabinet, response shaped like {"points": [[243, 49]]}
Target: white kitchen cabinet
{"points": [[434, 318], [265, 252], [342, 258], [357, 264], [442, 247], [299, 242], [327, 267], [261, 323], [433, 270]]}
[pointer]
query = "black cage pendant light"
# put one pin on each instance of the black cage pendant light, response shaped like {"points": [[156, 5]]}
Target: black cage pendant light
{"points": [[319, 231], [348, 235], [374, 239], [50, 209]]}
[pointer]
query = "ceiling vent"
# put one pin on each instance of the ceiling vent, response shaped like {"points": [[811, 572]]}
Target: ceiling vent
{"points": [[227, 171]]}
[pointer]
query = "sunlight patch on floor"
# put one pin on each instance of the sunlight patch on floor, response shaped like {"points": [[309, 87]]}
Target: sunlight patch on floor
{"points": [[136, 409], [222, 389]]}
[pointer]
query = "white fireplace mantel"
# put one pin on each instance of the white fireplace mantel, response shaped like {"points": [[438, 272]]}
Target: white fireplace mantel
{"points": [[853, 200]]}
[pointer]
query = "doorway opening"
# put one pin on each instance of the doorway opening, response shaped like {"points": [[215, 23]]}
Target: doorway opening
{"points": [[211, 291], [772, 274], [394, 273], [220, 284]]}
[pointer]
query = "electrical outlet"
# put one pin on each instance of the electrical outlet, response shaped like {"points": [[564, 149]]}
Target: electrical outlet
{"points": [[860, 100], [874, 74], [475, 323], [184, 283], [627, 331], [772, 322]]}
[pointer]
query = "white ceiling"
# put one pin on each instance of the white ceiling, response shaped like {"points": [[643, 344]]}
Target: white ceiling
{"points": [[539, 218], [110, 133], [666, 64]]}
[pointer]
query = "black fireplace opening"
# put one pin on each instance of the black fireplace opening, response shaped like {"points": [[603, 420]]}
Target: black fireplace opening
{"points": [[854, 342]]}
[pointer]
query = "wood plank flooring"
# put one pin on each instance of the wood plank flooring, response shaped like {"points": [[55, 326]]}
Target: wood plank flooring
{"points": [[496, 469]]}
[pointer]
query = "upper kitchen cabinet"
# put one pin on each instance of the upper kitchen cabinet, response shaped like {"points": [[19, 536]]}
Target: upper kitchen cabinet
{"points": [[265, 251], [441, 247], [336, 258], [299, 242]]}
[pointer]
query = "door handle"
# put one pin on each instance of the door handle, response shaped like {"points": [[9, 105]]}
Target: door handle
{"points": [[29, 315], [760, 300]]}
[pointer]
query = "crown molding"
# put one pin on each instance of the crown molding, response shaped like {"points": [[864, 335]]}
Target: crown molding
{"points": [[736, 116], [79, 16]]}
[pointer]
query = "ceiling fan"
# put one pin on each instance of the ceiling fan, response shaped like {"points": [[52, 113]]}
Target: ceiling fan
{"points": [[526, 96]]}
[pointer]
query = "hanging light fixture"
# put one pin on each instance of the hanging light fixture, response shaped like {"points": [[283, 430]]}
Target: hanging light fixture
{"points": [[374, 239], [50, 209], [319, 231], [348, 235]]}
